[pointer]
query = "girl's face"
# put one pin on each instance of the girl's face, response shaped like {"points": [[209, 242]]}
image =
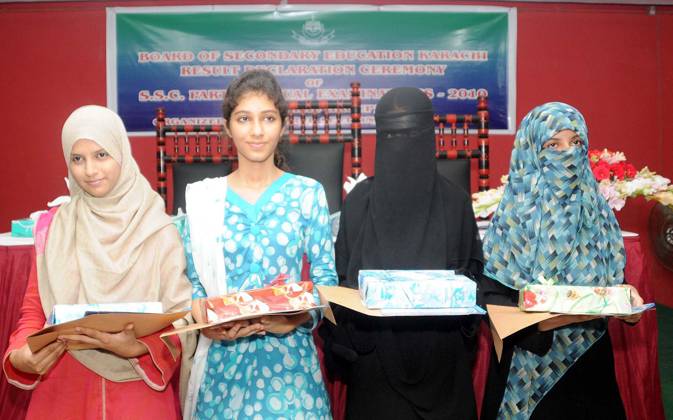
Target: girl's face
{"points": [[563, 140], [255, 126], [94, 170]]}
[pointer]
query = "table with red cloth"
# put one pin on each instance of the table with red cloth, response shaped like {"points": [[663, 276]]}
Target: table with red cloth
{"points": [[635, 347], [15, 264]]}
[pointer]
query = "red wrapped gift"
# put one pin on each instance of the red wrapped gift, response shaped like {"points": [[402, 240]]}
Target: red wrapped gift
{"points": [[276, 298]]}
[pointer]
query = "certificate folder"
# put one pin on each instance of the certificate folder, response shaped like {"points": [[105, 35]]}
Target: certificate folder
{"points": [[143, 323], [507, 320], [241, 317]]}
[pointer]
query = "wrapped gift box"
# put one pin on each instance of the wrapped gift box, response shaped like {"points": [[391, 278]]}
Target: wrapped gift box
{"points": [[272, 299], [407, 289], [575, 299], [23, 228], [66, 313]]}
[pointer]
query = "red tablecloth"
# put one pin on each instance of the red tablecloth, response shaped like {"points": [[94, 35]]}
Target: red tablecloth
{"points": [[15, 263], [635, 348]]}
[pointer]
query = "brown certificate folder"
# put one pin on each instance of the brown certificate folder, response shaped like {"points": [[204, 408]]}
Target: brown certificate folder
{"points": [[506, 320], [241, 317], [346, 297], [143, 323]]}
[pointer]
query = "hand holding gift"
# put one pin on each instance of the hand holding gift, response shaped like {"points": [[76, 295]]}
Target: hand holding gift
{"points": [[283, 324], [636, 301], [234, 330], [278, 308]]}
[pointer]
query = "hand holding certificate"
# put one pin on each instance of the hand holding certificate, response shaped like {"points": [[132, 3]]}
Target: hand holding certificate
{"points": [[143, 324]]}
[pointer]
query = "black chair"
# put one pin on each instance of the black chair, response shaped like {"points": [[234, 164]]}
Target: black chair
{"points": [[185, 173], [189, 153], [322, 162], [454, 157], [317, 134]]}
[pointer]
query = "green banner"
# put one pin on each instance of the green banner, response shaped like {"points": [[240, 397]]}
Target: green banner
{"points": [[183, 58]]}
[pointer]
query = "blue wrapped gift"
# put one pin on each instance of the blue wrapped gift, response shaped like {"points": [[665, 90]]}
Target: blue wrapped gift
{"points": [[66, 313], [23, 228], [407, 289]]}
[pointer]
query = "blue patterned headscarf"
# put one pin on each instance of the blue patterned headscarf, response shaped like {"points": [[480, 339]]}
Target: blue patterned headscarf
{"points": [[552, 223]]}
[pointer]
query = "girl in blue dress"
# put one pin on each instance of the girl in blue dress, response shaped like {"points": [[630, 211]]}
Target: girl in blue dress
{"points": [[243, 231]]}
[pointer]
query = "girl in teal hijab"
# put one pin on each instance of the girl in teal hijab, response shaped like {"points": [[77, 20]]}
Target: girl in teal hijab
{"points": [[553, 225]]}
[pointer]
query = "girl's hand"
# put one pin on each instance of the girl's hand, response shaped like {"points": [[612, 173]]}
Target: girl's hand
{"points": [[123, 343], [233, 330], [636, 300], [37, 363], [196, 311], [230, 330], [563, 320], [281, 324]]}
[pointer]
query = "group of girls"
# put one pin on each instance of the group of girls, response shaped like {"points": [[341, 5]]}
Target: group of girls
{"points": [[113, 242]]}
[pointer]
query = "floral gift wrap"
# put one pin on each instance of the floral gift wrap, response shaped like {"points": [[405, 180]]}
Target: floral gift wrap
{"points": [[272, 299], [407, 289], [575, 299]]}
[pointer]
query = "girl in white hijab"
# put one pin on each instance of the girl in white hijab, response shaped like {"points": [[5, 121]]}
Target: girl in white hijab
{"points": [[112, 242]]}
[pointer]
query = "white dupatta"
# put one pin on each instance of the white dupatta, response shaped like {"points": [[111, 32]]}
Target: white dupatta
{"points": [[205, 202]]}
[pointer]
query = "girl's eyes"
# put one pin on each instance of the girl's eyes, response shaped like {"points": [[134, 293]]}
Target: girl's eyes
{"points": [[98, 155], [553, 144], [268, 118]]}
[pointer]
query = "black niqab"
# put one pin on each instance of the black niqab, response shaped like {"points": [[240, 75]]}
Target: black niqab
{"points": [[407, 217]]}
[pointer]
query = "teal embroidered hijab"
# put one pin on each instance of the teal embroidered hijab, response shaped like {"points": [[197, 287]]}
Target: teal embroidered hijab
{"points": [[551, 223]]}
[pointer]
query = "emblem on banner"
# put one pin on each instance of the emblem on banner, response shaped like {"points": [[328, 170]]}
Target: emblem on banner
{"points": [[313, 33]]}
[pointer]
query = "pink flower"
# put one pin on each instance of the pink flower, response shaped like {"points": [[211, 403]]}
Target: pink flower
{"points": [[609, 191]]}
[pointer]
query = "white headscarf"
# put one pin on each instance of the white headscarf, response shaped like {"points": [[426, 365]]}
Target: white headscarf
{"points": [[97, 247]]}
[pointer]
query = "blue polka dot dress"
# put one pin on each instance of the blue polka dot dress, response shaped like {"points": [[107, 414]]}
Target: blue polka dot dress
{"points": [[269, 376]]}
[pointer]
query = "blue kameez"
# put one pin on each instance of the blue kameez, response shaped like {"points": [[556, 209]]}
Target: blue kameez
{"points": [[269, 376]]}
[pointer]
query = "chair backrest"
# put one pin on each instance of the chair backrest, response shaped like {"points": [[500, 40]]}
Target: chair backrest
{"points": [[454, 150], [322, 162], [316, 135], [189, 153]]}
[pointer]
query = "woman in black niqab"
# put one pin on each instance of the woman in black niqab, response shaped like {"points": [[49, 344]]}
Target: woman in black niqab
{"points": [[406, 217]]}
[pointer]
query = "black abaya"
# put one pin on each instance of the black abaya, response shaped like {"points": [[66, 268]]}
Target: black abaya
{"points": [[407, 217]]}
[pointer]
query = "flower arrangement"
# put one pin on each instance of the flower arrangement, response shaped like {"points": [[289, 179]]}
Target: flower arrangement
{"points": [[617, 181], [484, 203]]}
